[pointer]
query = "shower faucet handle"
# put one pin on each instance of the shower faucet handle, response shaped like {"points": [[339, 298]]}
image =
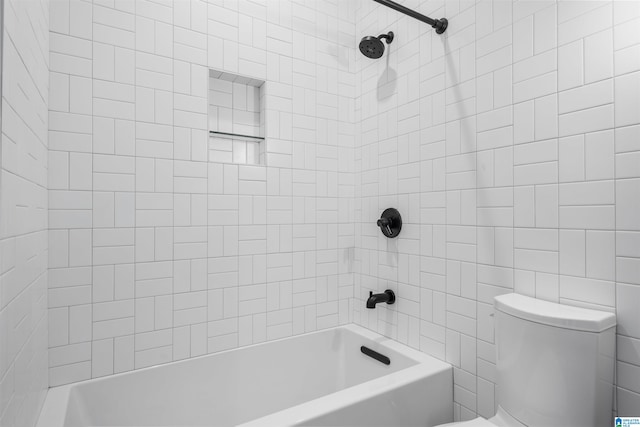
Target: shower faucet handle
{"points": [[386, 223], [390, 222]]}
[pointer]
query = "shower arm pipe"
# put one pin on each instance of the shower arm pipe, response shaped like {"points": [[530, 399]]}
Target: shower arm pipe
{"points": [[440, 25]]}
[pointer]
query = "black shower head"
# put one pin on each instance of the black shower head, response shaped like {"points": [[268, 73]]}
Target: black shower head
{"points": [[372, 47]]}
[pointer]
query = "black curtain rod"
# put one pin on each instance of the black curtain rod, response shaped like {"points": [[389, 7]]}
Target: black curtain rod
{"points": [[440, 25]]}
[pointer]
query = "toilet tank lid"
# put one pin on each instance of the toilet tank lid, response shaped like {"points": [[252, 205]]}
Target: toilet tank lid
{"points": [[552, 314]]}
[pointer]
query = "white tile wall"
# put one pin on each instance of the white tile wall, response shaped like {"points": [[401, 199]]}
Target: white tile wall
{"points": [[23, 210], [510, 146], [157, 254]]}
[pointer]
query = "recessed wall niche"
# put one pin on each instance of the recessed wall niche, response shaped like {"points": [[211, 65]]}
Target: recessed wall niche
{"points": [[236, 119]]}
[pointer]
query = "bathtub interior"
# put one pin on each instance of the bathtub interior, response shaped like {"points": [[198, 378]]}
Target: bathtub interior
{"points": [[233, 387]]}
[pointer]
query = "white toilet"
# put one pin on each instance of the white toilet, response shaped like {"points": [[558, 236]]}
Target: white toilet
{"points": [[555, 365]]}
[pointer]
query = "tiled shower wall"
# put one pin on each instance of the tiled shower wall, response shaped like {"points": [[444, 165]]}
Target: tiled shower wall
{"points": [[157, 254], [511, 146], [23, 211]]}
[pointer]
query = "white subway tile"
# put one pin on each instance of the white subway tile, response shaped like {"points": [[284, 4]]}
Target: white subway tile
{"points": [[627, 106], [601, 251], [572, 158], [103, 60], [60, 17], [587, 193], [535, 260], [589, 120], [546, 117], [599, 155], [72, 46], [587, 217], [626, 34], [545, 29], [58, 319], [546, 205], [537, 152], [538, 239], [535, 66], [70, 373], [537, 86], [627, 204], [523, 38], [628, 349], [627, 60], [524, 122], [627, 165], [536, 173], [524, 206], [587, 96], [68, 354], [573, 252], [80, 323], [597, 47], [628, 317], [570, 65], [102, 360], [627, 139]]}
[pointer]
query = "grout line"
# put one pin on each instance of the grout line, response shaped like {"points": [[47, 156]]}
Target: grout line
{"points": [[557, 183], [135, 198], [91, 293], [615, 233], [513, 170]]}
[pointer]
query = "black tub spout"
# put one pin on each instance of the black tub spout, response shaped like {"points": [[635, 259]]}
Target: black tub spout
{"points": [[387, 296]]}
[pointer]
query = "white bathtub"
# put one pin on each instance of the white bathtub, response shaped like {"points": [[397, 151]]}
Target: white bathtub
{"points": [[321, 378]]}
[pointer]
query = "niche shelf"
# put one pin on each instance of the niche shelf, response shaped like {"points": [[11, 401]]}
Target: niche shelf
{"points": [[236, 119]]}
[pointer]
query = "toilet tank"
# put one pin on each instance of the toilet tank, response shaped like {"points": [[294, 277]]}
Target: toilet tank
{"points": [[555, 363]]}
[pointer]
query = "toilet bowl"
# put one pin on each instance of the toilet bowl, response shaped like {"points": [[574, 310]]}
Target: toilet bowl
{"points": [[554, 365]]}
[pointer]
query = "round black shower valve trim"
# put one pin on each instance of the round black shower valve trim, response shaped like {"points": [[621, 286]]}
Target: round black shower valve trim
{"points": [[390, 222]]}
